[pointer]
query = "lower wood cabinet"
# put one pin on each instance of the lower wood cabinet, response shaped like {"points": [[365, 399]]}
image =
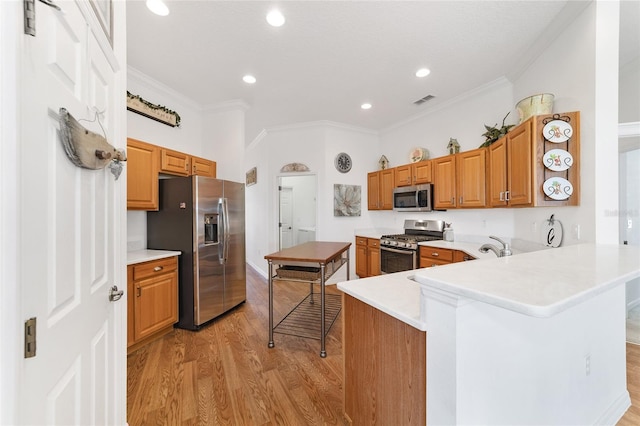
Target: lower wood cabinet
{"points": [[152, 304], [367, 257], [385, 370], [434, 256]]}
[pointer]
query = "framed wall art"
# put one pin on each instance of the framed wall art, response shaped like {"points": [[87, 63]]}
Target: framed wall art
{"points": [[252, 176], [346, 200]]}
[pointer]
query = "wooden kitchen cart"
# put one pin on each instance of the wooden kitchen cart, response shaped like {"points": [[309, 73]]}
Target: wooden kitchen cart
{"points": [[313, 263]]}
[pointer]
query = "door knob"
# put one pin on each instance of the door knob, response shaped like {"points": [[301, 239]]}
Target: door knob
{"points": [[115, 294]]}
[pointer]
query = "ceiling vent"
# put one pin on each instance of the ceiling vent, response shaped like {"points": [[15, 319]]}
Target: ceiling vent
{"points": [[423, 100]]}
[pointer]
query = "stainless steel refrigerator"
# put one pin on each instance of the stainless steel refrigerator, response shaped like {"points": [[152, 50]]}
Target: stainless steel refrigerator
{"points": [[204, 219]]}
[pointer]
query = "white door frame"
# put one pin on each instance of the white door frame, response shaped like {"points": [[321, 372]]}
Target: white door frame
{"points": [[10, 296]]}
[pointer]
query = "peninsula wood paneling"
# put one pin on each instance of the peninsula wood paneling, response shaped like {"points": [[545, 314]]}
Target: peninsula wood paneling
{"points": [[384, 367]]}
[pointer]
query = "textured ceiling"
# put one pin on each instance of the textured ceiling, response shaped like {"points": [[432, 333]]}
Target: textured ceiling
{"points": [[331, 56]]}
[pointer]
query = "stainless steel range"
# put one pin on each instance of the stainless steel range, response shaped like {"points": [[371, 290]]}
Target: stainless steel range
{"points": [[399, 252]]}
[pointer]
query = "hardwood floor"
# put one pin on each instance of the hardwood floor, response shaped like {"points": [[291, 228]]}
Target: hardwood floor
{"points": [[226, 375]]}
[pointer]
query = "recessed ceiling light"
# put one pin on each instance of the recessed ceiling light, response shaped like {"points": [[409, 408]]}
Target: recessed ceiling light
{"points": [[158, 7], [423, 72], [249, 79], [365, 106], [275, 18]]}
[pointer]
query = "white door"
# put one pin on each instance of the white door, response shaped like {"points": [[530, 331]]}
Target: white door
{"points": [[286, 217], [70, 248]]}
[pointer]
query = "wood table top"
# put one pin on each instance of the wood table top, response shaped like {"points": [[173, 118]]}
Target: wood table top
{"points": [[313, 251]]}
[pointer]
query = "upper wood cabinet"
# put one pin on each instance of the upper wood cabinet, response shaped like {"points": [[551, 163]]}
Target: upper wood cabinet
{"points": [[460, 180], [174, 162], [444, 182], [380, 186], [413, 174], [181, 164], [515, 166], [143, 163], [203, 167], [471, 186]]}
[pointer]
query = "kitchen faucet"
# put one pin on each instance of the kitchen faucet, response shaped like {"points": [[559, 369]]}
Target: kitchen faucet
{"points": [[504, 251]]}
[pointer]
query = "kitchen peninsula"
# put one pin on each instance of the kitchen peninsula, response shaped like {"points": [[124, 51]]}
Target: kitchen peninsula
{"points": [[536, 338]]}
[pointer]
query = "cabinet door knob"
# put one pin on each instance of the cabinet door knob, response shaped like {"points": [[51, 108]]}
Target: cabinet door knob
{"points": [[434, 254], [506, 196], [501, 195], [138, 291], [158, 268]]}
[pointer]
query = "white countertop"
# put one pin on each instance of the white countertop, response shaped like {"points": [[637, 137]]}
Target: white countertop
{"points": [[140, 256], [540, 283], [393, 294]]}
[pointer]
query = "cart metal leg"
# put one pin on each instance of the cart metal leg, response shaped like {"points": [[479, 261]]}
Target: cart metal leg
{"points": [[323, 352], [271, 343]]}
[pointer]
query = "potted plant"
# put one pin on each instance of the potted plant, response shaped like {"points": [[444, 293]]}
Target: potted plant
{"points": [[494, 133]]}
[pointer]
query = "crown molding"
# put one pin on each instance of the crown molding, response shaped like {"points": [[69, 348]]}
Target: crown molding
{"points": [[153, 84], [232, 105], [320, 123], [501, 81]]}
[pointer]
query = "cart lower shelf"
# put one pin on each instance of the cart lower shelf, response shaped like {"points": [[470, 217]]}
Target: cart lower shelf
{"points": [[304, 319]]}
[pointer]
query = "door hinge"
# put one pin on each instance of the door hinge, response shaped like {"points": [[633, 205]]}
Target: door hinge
{"points": [[30, 338], [29, 17], [29, 7]]}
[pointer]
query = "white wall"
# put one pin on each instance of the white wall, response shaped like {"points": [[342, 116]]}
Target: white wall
{"points": [[315, 145], [215, 133], [629, 92]]}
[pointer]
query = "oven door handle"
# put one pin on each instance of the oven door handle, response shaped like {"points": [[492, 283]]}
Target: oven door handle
{"points": [[397, 251]]}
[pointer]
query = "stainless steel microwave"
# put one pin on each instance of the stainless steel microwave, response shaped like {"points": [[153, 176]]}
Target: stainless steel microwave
{"points": [[418, 198]]}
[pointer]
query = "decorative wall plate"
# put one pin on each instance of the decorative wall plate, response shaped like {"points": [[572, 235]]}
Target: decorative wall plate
{"points": [[557, 160], [557, 188], [557, 131], [418, 154]]}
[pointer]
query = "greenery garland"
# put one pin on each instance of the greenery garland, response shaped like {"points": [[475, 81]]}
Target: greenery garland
{"points": [[155, 107]]}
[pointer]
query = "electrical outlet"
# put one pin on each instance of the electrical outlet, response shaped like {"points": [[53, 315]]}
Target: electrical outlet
{"points": [[587, 365], [534, 227], [629, 223]]}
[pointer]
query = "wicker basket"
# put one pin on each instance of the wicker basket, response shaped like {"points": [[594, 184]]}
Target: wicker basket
{"points": [[306, 273], [535, 105]]}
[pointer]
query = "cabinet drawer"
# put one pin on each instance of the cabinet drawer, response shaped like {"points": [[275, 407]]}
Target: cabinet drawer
{"points": [[460, 256], [428, 262], [154, 267], [361, 241], [372, 242], [436, 253]]}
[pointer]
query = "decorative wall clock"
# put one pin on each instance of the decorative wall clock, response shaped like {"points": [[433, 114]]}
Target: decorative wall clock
{"points": [[343, 162]]}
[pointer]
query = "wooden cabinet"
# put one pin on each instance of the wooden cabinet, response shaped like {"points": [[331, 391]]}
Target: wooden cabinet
{"points": [[144, 164], [471, 185], [152, 303], [460, 180], [380, 190], [203, 167], [181, 164], [367, 257], [385, 374], [174, 162], [413, 174], [373, 248], [434, 256], [142, 175], [515, 167], [510, 169]]}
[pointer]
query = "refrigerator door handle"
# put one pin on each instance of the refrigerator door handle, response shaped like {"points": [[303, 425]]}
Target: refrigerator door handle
{"points": [[227, 230], [221, 231]]}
